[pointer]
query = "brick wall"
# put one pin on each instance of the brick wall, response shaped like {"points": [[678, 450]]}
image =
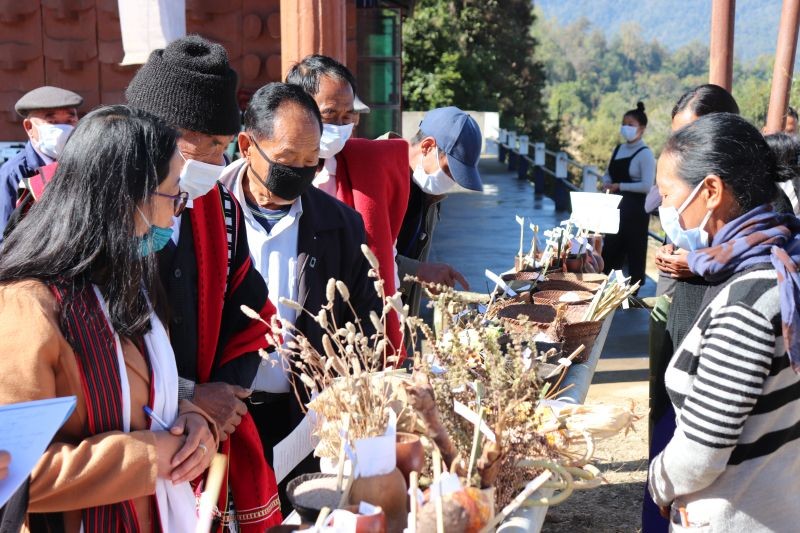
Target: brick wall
{"points": [[76, 44]]}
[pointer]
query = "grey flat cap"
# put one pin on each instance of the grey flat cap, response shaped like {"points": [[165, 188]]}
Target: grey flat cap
{"points": [[359, 106], [46, 98]]}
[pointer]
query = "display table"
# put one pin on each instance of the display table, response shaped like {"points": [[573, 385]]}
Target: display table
{"points": [[578, 379]]}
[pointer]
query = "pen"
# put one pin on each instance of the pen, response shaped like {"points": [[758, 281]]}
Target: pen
{"points": [[155, 418]]}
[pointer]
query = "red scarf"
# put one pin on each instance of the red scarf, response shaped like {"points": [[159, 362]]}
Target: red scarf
{"points": [[372, 178], [252, 481], [88, 332]]}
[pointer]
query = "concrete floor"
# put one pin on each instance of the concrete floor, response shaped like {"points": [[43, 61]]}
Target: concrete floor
{"points": [[478, 231]]}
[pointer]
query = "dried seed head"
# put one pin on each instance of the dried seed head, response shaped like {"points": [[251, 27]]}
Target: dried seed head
{"points": [[250, 313], [322, 318], [356, 364], [343, 290], [307, 381], [376, 322], [327, 345], [290, 303], [372, 273], [380, 347], [373, 261], [330, 290], [396, 301]]}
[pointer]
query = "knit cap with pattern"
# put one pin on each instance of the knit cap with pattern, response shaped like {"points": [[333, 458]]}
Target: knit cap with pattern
{"points": [[190, 85]]}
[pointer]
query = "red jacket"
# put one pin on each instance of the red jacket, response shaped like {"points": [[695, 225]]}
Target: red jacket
{"points": [[372, 178]]}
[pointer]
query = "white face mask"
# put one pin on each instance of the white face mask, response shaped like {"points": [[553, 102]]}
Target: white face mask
{"points": [[688, 239], [333, 138], [52, 138], [197, 178], [629, 133], [436, 183]]}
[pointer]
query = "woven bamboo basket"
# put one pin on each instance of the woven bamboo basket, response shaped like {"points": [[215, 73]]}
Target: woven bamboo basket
{"points": [[497, 305], [520, 276], [577, 277], [578, 333], [565, 285], [540, 317], [554, 297]]}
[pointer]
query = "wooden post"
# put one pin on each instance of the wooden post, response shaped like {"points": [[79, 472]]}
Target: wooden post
{"points": [[784, 66], [312, 27], [723, 14]]}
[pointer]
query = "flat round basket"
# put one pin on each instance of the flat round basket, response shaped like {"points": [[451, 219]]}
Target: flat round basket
{"points": [[494, 309], [563, 297], [520, 276], [586, 277], [538, 314], [565, 286]]}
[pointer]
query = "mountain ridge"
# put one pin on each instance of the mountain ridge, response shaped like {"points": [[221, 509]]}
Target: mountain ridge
{"points": [[756, 26]]}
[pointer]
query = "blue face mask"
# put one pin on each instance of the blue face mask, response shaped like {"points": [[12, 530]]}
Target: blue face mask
{"points": [[687, 239], [155, 239]]}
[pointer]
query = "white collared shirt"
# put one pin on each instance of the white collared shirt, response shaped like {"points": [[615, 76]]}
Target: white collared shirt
{"points": [[275, 258]]}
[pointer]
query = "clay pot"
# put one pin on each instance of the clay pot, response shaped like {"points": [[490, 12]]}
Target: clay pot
{"points": [[375, 523], [574, 264], [387, 492], [596, 240], [410, 454]]}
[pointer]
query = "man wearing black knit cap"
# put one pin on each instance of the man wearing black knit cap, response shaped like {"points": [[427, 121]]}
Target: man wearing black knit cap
{"points": [[206, 269]]}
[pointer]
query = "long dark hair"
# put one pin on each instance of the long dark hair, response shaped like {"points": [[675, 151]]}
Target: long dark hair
{"points": [[726, 145], [706, 99], [82, 230]]}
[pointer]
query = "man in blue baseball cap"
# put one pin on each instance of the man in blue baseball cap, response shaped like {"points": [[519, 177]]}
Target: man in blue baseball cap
{"points": [[443, 158]]}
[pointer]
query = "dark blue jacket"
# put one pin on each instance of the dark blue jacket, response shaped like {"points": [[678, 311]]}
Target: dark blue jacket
{"points": [[22, 166]]}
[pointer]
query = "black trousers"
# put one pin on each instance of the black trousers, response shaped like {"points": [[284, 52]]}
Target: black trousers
{"points": [[630, 243], [275, 419]]}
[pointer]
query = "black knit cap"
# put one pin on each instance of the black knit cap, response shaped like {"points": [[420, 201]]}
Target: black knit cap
{"points": [[190, 85]]}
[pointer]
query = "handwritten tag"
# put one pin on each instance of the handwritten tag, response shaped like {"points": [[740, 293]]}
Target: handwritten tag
{"points": [[500, 283], [472, 417]]}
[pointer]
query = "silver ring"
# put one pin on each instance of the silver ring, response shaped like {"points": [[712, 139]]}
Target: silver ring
{"points": [[203, 447]]}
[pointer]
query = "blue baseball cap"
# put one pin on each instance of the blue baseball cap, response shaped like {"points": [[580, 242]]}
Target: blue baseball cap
{"points": [[459, 137]]}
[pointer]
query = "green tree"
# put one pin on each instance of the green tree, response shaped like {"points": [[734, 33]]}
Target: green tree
{"points": [[476, 54]]}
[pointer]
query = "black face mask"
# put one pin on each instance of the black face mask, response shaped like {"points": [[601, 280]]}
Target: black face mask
{"points": [[284, 181]]}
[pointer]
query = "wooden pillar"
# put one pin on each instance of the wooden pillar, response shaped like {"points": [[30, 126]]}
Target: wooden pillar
{"points": [[784, 66], [312, 27], [723, 15]]}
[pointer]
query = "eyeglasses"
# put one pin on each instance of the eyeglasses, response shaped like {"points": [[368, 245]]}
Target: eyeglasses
{"points": [[179, 201]]}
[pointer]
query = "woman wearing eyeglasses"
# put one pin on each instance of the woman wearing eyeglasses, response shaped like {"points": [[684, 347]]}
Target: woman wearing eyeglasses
{"points": [[80, 315]]}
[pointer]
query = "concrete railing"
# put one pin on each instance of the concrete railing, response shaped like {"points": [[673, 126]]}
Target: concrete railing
{"points": [[549, 170]]}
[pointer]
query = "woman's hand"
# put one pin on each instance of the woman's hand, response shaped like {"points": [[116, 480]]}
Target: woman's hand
{"points": [[186, 450], [197, 450], [674, 263], [167, 445], [611, 187], [5, 462]]}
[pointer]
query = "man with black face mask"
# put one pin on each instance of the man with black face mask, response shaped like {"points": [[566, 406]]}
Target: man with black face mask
{"points": [[299, 237]]}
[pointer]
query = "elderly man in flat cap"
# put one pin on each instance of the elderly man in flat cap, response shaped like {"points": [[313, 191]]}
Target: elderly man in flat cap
{"points": [[206, 268], [49, 114]]}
